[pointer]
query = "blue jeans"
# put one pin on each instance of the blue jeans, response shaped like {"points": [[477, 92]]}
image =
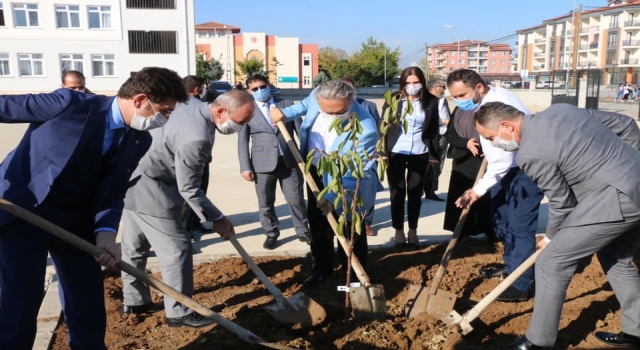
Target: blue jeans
{"points": [[515, 201]]}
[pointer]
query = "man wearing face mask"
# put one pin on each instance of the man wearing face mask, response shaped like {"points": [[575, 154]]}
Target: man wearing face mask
{"points": [[74, 80], [593, 208], [333, 99], [515, 199], [269, 162], [72, 168], [169, 175]]}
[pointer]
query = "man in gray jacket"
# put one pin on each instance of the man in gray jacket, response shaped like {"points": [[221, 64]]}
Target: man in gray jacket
{"points": [[271, 161], [587, 164], [167, 176]]}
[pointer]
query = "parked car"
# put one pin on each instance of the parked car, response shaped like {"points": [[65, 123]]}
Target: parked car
{"points": [[275, 92], [505, 85], [547, 84], [516, 85], [220, 86]]}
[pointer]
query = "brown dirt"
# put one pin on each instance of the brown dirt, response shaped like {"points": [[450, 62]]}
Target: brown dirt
{"points": [[232, 289]]}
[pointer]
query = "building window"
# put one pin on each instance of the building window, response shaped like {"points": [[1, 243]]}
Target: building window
{"points": [[493, 69], [25, 15], [503, 69], [452, 61], [99, 17], [141, 41], [71, 62], [504, 53], [306, 61], [503, 61], [151, 4], [306, 80], [67, 16], [493, 53], [31, 64], [103, 65], [2, 23], [493, 60], [612, 40], [4, 65], [461, 61], [453, 53]]}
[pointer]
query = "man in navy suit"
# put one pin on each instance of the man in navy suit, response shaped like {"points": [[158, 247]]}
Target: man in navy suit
{"points": [[72, 167]]}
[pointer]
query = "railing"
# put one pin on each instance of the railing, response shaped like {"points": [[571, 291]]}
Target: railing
{"points": [[540, 41], [629, 61], [569, 32], [630, 42], [476, 48], [613, 25], [632, 23], [540, 67], [539, 54], [591, 46], [588, 64], [584, 30]]}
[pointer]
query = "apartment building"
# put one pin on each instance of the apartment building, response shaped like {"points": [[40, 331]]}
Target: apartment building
{"points": [[105, 39], [290, 64], [487, 59], [606, 37]]}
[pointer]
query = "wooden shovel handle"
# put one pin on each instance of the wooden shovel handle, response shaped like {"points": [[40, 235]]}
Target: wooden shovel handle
{"points": [[437, 279], [355, 263], [476, 310], [81, 244], [277, 293]]}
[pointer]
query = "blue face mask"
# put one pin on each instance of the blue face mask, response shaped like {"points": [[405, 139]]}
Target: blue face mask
{"points": [[261, 95], [467, 104]]}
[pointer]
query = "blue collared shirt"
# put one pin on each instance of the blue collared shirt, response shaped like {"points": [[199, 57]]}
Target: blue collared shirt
{"points": [[411, 142], [113, 121]]}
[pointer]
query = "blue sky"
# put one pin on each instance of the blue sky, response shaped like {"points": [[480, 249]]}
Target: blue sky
{"points": [[407, 24]]}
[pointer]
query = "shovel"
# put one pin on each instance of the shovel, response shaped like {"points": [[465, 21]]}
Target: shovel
{"points": [[83, 245], [436, 302], [299, 309], [368, 301], [465, 322]]}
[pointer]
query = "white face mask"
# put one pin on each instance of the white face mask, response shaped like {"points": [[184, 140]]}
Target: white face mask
{"points": [[509, 146], [343, 116], [228, 127], [413, 89], [148, 123]]}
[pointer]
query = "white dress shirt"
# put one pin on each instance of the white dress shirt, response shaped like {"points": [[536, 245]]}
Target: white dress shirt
{"points": [[320, 138], [499, 162], [443, 111], [264, 108]]}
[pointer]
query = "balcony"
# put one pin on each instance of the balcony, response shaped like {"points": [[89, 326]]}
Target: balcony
{"points": [[569, 32], [591, 46], [586, 64], [540, 67], [632, 23], [629, 61], [476, 48], [540, 54], [630, 42], [540, 41], [586, 30], [614, 25]]}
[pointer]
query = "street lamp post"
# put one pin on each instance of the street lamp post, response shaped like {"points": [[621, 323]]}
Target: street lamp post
{"points": [[452, 27]]}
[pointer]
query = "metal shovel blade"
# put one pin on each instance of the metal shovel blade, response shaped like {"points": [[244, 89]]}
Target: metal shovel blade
{"points": [[437, 306], [368, 302], [298, 309]]}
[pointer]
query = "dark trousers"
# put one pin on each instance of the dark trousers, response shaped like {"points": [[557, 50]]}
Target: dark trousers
{"points": [[414, 167], [23, 260], [322, 236], [433, 173], [514, 210], [368, 218], [189, 217]]}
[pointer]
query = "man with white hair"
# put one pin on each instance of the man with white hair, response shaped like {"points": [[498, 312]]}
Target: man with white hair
{"points": [[333, 99]]}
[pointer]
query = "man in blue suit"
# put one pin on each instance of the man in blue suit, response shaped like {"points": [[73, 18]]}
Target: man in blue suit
{"points": [[72, 167], [333, 99]]}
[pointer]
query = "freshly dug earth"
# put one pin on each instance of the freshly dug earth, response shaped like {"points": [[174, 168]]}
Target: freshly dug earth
{"points": [[230, 288]]}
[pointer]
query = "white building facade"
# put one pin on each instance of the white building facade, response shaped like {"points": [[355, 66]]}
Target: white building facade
{"points": [[107, 40]]}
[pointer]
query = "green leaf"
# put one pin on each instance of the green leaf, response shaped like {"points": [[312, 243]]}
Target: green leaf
{"points": [[308, 166], [366, 154], [341, 145], [311, 154], [358, 222], [323, 193], [334, 171], [336, 201], [341, 226]]}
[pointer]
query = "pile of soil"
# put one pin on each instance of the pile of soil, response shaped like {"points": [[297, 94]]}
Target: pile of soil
{"points": [[230, 288]]}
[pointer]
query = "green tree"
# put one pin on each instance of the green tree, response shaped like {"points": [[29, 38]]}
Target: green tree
{"points": [[322, 77], [328, 56], [208, 70], [369, 62], [251, 66]]}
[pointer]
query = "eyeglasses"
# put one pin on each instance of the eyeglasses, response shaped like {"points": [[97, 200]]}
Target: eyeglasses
{"points": [[259, 88]]}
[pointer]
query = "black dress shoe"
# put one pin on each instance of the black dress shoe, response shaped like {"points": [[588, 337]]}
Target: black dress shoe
{"points": [[142, 309], [524, 344], [315, 278], [512, 294], [270, 243], [621, 339], [434, 197], [305, 238], [494, 273], [192, 320]]}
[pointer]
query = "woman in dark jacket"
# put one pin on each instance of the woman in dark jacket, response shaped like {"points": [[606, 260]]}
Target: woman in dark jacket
{"points": [[467, 158], [409, 154]]}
